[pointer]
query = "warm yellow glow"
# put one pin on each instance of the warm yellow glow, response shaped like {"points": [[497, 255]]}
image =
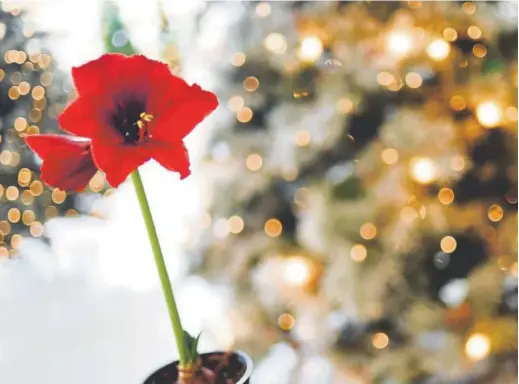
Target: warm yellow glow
{"points": [[344, 105], [36, 229], [286, 321], [20, 124], [24, 177], [303, 138], [28, 217], [251, 83], [477, 347], [446, 196], [423, 170], [16, 240], [236, 103], [236, 224], [413, 80], [58, 196], [399, 43], [358, 253], [238, 59], [38, 92], [311, 48], [495, 213], [4, 252], [273, 227], [12, 193], [263, 9], [368, 231], [474, 32], [389, 156], [457, 163], [380, 340], [448, 244], [13, 215], [244, 115], [438, 50], [469, 8], [254, 162], [24, 88], [489, 114], [221, 228], [276, 43], [298, 271], [408, 215], [511, 114], [51, 211], [36, 188], [450, 34]]}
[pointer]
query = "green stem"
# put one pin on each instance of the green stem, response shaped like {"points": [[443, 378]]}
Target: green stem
{"points": [[161, 266]]}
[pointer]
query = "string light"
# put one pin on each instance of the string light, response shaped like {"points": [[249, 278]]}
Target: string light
{"points": [[254, 162], [368, 231], [344, 105], [236, 103], [263, 9], [236, 224], [399, 43], [58, 196], [457, 163], [489, 114], [448, 244], [385, 78], [303, 138], [511, 114], [244, 115], [36, 188], [479, 50], [450, 34], [389, 156], [423, 170], [408, 215], [250, 84], [16, 240], [221, 228], [311, 48], [474, 32], [298, 271], [438, 50], [458, 103], [276, 43], [12, 193], [36, 229], [358, 253], [273, 227], [380, 340], [446, 196], [477, 347], [13, 215], [28, 217], [469, 8], [51, 211], [413, 80], [495, 213]]}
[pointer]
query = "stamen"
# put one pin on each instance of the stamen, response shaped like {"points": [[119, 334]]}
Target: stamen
{"points": [[142, 124]]}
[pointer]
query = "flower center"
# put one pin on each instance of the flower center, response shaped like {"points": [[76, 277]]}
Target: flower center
{"points": [[132, 122]]}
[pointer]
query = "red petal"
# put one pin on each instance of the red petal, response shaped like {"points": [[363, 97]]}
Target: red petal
{"points": [[86, 115], [118, 161], [67, 163], [172, 157], [98, 76], [180, 119]]}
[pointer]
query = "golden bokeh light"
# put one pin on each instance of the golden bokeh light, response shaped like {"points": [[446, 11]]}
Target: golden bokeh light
{"points": [[27, 198], [251, 83], [286, 321], [495, 213], [358, 253], [448, 244], [38, 92], [24, 177], [511, 114], [5, 227], [36, 229], [474, 32], [236, 103], [457, 163], [273, 227], [489, 114], [46, 79], [344, 105], [450, 34], [36, 188], [4, 252], [413, 80], [276, 43], [469, 7], [477, 347], [13, 215], [6, 157], [458, 103], [16, 241], [389, 156], [408, 215], [263, 9], [71, 212], [438, 50], [311, 48], [58, 196], [97, 182], [12, 193], [385, 78], [20, 124], [51, 211], [236, 224], [368, 231], [423, 170], [399, 43], [380, 340], [221, 228], [238, 59], [28, 217], [446, 196], [303, 138], [254, 162], [24, 88], [298, 271], [479, 50], [244, 115]]}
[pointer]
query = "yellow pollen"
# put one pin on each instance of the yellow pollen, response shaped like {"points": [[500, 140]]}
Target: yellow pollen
{"points": [[142, 123]]}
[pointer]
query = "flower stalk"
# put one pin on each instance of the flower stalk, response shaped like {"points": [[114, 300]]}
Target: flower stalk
{"points": [[161, 268]]}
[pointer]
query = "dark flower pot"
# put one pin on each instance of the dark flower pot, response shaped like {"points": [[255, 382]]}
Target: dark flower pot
{"points": [[238, 368]]}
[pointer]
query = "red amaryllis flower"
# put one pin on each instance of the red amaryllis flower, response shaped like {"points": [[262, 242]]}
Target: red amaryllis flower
{"points": [[67, 162], [134, 109]]}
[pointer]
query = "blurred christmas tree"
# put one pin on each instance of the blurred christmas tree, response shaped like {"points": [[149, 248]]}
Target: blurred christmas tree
{"points": [[32, 94], [365, 187]]}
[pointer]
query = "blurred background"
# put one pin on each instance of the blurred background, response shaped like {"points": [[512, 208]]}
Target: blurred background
{"points": [[352, 213]]}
